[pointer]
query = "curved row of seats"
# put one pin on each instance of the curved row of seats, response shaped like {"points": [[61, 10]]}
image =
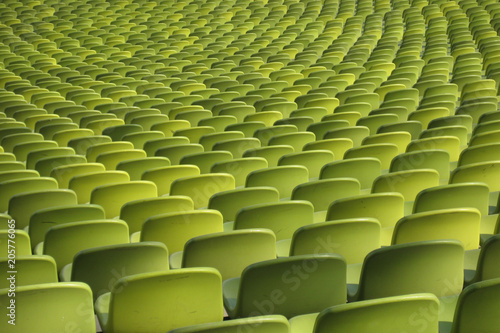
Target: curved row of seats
{"points": [[306, 166]]}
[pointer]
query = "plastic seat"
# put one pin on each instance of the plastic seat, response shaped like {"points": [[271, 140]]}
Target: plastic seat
{"points": [[486, 268], [271, 153], [164, 176], [176, 152], [205, 160], [23, 205], [352, 238], [113, 196], [385, 152], [371, 205], [365, 170], [400, 139], [260, 324], [386, 271], [408, 183], [486, 172], [239, 168], [457, 223], [449, 143], [296, 140], [100, 267], [228, 203], [43, 219], [176, 228], [137, 211], [18, 186], [354, 133], [151, 146], [374, 122], [201, 188], [283, 218], [485, 138], [55, 304], [313, 160], [323, 192], [479, 154], [32, 270], [65, 240], [477, 298], [381, 314], [229, 252], [245, 296], [283, 178], [38, 154], [137, 166], [112, 159], [22, 241], [435, 159], [171, 296]]}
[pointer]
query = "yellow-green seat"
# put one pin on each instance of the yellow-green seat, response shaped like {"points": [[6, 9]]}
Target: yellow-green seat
{"points": [[371, 316], [65, 240], [283, 178], [23, 205], [476, 308], [371, 205], [168, 298], [136, 212], [163, 177], [100, 267], [255, 289], [54, 304], [390, 271], [229, 252], [201, 188], [176, 228], [31, 270], [41, 220]]}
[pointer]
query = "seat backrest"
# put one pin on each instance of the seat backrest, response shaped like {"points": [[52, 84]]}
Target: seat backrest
{"points": [[201, 188], [52, 304], [12, 187], [283, 178], [23, 205], [436, 159], [136, 212], [31, 269], [101, 267], [408, 183], [456, 223], [43, 219], [63, 241], [385, 152], [321, 193], [486, 172], [487, 265], [230, 252], [168, 300], [313, 160], [453, 196], [371, 205], [478, 298], [175, 229], [113, 196], [302, 294], [377, 315], [283, 218], [230, 202], [84, 184], [390, 271], [351, 238]]}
